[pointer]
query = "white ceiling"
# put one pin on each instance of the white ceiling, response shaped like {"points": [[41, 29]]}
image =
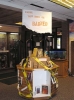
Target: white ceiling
{"points": [[57, 10]]}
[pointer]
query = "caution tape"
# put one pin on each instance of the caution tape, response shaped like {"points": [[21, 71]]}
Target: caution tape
{"points": [[53, 63], [27, 96], [49, 69], [27, 81]]}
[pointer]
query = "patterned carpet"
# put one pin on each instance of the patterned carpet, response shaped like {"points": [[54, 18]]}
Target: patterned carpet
{"points": [[65, 90]]}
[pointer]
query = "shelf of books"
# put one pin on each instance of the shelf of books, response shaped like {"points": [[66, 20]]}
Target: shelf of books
{"points": [[37, 76]]}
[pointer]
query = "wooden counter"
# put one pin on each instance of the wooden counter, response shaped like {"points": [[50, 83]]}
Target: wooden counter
{"points": [[63, 67]]}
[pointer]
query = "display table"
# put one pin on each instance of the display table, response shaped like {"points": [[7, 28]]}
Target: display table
{"points": [[63, 67], [36, 81], [37, 76]]}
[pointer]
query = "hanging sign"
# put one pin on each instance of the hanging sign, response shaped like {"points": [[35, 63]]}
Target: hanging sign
{"points": [[37, 21]]}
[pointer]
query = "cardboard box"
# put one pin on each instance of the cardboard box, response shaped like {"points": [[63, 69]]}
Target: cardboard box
{"points": [[44, 61], [34, 64], [40, 53]]}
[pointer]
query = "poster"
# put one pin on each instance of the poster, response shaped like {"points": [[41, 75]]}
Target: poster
{"points": [[37, 21]]}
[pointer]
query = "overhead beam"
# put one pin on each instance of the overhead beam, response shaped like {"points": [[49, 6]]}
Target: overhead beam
{"points": [[11, 16], [8, 13], [13, 21]]}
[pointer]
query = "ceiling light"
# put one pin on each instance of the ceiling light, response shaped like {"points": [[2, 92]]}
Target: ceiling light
{"points": [[70, 2], [14, 33], [64, 3], [0, 26], [49, 36], [2, 32]]}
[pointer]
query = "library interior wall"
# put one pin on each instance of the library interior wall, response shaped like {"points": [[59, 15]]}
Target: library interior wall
{"points": [[65, 34], [65, 37]]}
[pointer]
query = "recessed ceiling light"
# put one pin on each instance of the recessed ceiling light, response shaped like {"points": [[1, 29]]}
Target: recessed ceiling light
{"points": [[14, 33], [2, 32], [49, 36]]}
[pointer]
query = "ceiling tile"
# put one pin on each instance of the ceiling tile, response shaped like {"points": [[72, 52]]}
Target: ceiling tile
{"points": [[53, 7], [6, 0], [71, 14], [19, 2], [30, 1]]}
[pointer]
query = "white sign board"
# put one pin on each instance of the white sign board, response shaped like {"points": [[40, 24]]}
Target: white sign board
{"points": [[38, 21]]}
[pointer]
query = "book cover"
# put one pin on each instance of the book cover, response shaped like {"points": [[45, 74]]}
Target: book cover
{"points": [[29, 76], [37, 89], [44, 89]]}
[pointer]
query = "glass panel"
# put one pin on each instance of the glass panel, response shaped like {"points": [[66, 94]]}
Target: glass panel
{"points": [[57, 54], [58, 43]]}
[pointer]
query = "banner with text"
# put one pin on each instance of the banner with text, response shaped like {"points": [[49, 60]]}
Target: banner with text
{"points": [[37, 21]]}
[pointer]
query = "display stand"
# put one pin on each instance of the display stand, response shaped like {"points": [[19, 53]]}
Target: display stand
{"points": [[36, 78]]}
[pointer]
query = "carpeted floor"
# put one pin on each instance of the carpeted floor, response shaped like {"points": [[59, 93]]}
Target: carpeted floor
{"points": [[65, 90], [9, 74], [10, 80]]}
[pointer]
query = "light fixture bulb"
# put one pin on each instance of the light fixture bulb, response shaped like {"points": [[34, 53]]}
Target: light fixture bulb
{"points": [[70, 2], [65, 3], [0, 26]]}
